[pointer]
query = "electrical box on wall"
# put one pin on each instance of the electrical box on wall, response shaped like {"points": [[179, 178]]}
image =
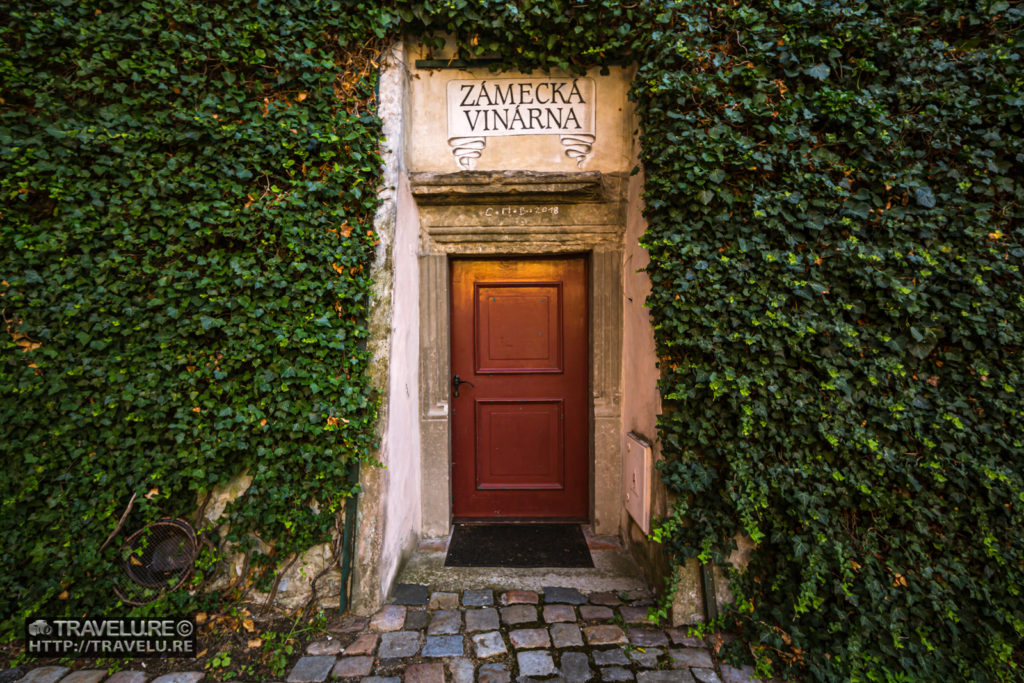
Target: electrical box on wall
{"points": [[636, 484]]}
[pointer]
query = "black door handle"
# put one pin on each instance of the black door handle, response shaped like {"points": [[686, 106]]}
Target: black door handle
{"points": [[456, 381]]}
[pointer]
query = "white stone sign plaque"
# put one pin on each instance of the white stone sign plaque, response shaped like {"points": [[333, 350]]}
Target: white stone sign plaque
{"points": [[496, 107]]}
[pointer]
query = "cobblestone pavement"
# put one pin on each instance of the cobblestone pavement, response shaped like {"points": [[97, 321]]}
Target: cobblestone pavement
{"points": [[484, 636]]}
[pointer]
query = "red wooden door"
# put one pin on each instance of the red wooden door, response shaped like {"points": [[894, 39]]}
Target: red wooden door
{"points": [[520, 422]]}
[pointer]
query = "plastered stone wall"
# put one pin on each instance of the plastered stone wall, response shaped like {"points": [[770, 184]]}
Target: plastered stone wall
{"points": [[388, 525], [295, 584]]}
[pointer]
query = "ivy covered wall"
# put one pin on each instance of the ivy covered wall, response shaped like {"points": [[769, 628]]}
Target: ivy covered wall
{"points": [[834, 205]]}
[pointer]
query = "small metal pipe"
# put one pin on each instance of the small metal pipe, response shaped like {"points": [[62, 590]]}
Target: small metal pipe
{"points": [[707, 576], [348, 538]]}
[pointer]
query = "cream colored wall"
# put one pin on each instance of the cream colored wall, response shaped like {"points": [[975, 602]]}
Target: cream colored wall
{"points": [[389, 506], [641, 402], [641, 406], [428, 144]]}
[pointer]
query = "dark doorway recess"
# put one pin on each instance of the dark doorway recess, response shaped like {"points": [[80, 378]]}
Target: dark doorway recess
{"points": [[518, 545]]}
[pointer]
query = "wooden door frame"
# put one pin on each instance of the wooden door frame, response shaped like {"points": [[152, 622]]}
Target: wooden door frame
{"points": [[577, 214]]}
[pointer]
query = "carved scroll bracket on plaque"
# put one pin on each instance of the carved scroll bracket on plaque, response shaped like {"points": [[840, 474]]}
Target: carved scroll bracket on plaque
{"points": [[498, 107]]}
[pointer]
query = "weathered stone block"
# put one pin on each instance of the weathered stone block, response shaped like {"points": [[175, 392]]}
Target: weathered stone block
{"points": [[647, 637], [351, 667], [535, 663], [489, 644], [527, 638], [313, 669], [575, 667], [390, 618], [566, 595], [559, 613], [519, 614], [690, 657], [410, 594], [445, 622], [595, 613], [520, 598], [443, 646], [443, 601], [566, 635], [423, 672], [365, 644], [478, 598], [399, 644], [485, 619], [605, 635]]}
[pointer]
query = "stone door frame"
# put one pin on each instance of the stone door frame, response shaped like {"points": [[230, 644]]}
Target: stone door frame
{"points": [[520, 213]]}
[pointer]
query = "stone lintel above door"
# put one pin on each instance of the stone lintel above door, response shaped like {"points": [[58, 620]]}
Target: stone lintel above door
{"points": [[473, 187]]}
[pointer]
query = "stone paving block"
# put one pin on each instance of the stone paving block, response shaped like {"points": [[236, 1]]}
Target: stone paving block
{"points": [[445, 622], [416, 620], [680, 636], [313, 669], [485, 619], [605, 635], [645, 657], [443, 646], [324, 646], [85, 676], [690, 657], [45, 674], [489, 644], [634, 615], [567, 595], [705, 675], [189, 676], [410, 594], [365, 644], [637, 595], [731, 674], [399, 644], [606, 657], [10, 675], [677, 676], [461, 670], [605, 598], [520, 598], [349, 625], [443, 601], [493, 673], [478, 598], [390, 618], [350, 667], [528, 638], [381, 679], [535, 663], [616, 673], [566, 635], [558, 613], [595, 613], [647, 637], [425, 673], [128, 677], [575, 668], [519, 614]]}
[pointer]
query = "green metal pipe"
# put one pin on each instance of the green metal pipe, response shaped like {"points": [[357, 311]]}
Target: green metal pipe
{"points": [[348, 538]]}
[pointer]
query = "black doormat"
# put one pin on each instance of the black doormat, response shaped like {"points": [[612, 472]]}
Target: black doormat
{"points": [[518, 545]]}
